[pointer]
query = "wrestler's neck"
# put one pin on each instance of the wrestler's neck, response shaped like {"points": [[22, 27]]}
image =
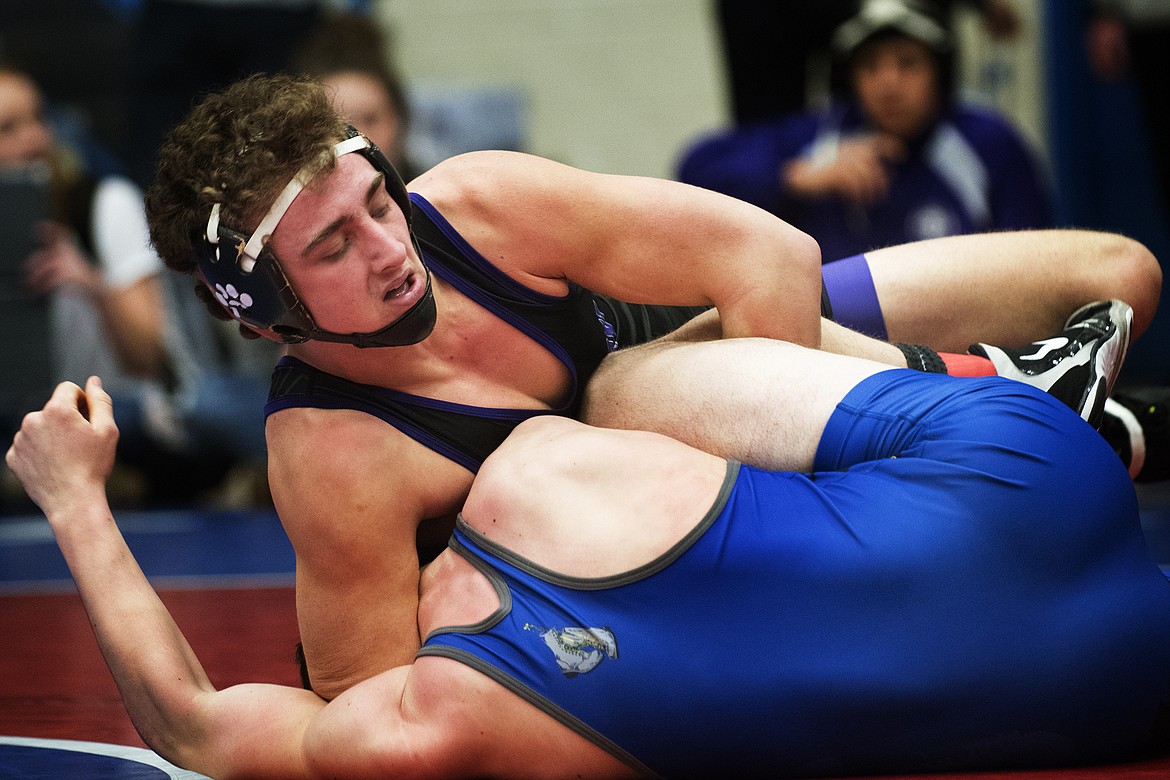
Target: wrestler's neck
{"points": [[409, 368], [470, 357]]}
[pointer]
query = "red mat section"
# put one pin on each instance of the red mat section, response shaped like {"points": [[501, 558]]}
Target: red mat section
{"points": [[54, 684]]}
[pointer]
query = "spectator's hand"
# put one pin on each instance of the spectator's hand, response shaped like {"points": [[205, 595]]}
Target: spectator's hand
{"points": [[59, 263], [1107, 48], [859, 173], [64, 453]]}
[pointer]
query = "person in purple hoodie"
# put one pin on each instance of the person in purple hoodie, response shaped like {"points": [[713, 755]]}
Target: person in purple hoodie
{"points": [[894, 158]]}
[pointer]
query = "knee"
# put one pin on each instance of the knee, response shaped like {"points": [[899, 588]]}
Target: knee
{"points": [[1136, 276]]}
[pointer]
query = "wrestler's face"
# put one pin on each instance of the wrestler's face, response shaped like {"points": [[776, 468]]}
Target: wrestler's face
{"points": [[896, 81], [346, 250], [24, 136]]}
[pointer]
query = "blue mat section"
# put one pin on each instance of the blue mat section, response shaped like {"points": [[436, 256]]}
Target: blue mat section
{"points": [[58, 758], [17, 761], [239, 547], [225, 546]]}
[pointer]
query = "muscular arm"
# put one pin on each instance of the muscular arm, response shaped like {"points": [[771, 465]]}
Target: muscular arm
{"points": [[254, 731], [637, 239], [351, 493], [63, 460]]}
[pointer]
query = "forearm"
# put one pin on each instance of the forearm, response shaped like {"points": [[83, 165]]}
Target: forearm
{"points": [[352, 630], [157, 673]]}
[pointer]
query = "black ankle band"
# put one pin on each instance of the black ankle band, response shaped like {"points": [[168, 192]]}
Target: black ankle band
{"points": [[922, 358]]}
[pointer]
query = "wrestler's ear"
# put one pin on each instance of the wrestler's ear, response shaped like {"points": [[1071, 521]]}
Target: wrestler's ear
{"points": [[216, 308]]}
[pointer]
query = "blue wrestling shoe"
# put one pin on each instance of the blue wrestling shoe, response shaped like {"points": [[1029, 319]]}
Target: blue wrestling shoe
{"points": [[1078, 365]]}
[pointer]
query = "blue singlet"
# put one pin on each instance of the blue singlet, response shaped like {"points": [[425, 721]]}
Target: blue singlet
{"points": [[962, 583]]}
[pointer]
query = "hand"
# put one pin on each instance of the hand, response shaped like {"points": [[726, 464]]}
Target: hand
{"points": [[64, 453], [59, 263], [859, 173]]}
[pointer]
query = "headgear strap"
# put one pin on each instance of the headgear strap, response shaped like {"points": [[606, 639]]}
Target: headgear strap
{"points": [[250, 284]]}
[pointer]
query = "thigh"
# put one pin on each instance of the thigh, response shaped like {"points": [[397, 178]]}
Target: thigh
{"points": [[1007, 288], [996, 454]]}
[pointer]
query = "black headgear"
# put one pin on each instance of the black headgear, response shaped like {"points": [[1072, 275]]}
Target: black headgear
{"points": [[249, 283], [918, 20]]}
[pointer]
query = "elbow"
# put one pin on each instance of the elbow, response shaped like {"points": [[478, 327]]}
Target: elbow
{"points": [[781, 294], [178, 725], [179, 745]]}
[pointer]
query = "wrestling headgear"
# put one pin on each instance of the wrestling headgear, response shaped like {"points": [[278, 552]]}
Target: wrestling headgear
{"points": [[249, 283], [910, 18]]}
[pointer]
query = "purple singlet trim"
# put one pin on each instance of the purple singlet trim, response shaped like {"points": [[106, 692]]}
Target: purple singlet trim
{"points": [[853, 297]]}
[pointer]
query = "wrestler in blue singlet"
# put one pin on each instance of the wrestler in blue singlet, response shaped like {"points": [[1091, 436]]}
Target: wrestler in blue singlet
{"points": [[961, 583]]}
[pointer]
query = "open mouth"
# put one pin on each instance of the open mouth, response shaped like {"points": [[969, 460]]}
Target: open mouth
{"points": [[401, 289]]}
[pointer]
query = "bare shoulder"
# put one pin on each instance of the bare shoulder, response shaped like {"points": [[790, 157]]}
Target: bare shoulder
{"points": [[514, 188], [529, 216], [558, 448], [623, 497], [478, 169], [325, 463]]}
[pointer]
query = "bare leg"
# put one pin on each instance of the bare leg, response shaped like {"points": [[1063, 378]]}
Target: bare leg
{"points": [[764, 402], [1008, 288], [842, 341], [834, 338]]}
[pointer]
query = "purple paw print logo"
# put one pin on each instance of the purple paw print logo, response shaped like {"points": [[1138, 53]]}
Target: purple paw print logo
{"points": [[232, 299]]}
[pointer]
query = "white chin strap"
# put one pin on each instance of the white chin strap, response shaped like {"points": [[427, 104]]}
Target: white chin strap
{"points": [[264, 230]]}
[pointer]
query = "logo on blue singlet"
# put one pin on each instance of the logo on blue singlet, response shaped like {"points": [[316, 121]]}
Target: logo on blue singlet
{"points": [[577, 650]]}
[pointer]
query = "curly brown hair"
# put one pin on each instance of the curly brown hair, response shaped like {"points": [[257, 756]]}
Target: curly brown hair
{"points": [[238, 147]]}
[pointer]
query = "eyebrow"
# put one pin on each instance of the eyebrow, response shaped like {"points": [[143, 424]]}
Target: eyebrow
{"points": [[375, 185]]}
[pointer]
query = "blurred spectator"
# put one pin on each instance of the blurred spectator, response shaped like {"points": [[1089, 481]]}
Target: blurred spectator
{"points": [[113, 314], [350, 54], [895, 158], [76, 51], [771, 46], [182, 49], [1131, 38]]}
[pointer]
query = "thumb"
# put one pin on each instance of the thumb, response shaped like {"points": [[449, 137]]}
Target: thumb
{"points": [[100, 407]]}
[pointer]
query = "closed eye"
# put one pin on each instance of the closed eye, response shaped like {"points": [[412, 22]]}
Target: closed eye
{"points": [[380, 210], [335, 249]]}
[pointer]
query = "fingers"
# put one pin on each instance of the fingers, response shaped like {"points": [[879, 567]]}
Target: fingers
{"points": [[65, 394], [67, 401]]}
